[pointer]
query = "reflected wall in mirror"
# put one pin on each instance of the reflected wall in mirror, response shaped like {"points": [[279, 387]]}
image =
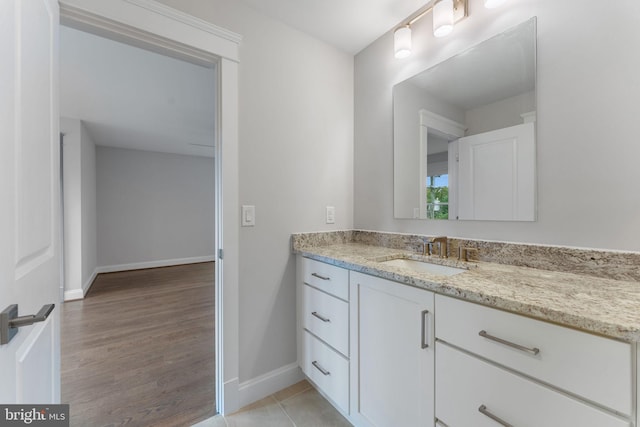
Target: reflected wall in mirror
{"points": [[464, 134]]}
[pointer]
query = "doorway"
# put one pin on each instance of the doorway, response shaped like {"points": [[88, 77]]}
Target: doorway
{"points": [[148, 23], [117, 320]]}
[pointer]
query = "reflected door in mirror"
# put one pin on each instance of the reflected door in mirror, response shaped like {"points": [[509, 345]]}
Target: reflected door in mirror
{"points": [[497, 175]]}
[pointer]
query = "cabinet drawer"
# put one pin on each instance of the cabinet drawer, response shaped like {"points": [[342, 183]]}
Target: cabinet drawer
{"points": [[596, 368], [465, 383], [327, 317], [329, 278], [328, 370]]}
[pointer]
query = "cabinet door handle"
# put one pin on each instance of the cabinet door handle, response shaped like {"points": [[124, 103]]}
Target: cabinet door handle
{"points": [[533, 350], [484, 411], [320, 276], [424, 339], [320, 368], [324, 319]]}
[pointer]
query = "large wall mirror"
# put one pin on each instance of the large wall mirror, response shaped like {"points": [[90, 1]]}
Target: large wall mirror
{"points": [[464, 134]]}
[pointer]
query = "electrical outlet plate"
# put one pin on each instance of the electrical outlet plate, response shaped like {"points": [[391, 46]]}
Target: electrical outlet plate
{"points": [[331, 215]]}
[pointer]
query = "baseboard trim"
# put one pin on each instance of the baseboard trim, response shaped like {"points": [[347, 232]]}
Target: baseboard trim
{"points": [[73, 294], [154, 264], [76, 294], [269, 383], [88, 283], [228, 403]]}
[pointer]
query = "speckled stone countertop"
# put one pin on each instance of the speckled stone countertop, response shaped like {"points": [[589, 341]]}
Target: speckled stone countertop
{"points": [[599, 305]]}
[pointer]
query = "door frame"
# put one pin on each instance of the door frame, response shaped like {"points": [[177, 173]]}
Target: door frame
{"points": [[452, 130], [152, 25]]}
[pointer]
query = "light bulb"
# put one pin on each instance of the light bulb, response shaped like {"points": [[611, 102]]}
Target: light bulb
{"points": [[402, 42], [443, 18]]}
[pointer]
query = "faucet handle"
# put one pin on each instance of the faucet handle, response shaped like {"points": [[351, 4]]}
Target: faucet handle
{"points": [[463, 252], [443, 246], [427, 246]]}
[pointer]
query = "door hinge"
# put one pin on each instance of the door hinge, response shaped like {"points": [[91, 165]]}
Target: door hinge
{"points": [[220, 254]]}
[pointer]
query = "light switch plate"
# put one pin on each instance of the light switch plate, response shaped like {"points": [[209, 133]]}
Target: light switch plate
{"points": [[331, 215], [248, 215]]}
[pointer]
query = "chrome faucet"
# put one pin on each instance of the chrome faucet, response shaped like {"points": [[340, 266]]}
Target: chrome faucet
{"points": [[442, 244], [427, 246]]}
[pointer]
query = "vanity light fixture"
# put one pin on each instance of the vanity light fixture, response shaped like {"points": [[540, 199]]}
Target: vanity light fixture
{"points": [[402, 42], [445, 14], [443, 18]]}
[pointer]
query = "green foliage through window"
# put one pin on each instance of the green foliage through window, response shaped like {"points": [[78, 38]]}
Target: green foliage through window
{"points": [[437, 197]]}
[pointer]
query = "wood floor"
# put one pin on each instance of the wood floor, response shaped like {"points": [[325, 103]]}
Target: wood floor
{"points": [[139, 349]]}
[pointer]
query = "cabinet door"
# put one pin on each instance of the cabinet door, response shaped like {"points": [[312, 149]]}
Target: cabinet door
{"points": [[326, 317], [596, 368], [470, 392], [327, 369], [392, 363]]}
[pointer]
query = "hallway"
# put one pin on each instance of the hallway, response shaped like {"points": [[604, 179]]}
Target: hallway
{"points": [[139, 349]]}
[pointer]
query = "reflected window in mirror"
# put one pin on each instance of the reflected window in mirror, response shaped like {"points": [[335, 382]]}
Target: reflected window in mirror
{"points": [[438, 196]]}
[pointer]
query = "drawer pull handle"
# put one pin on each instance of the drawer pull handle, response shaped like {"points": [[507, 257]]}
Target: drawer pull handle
{"points": [[533, 350], [484, 411], [424, 340], [320, 276], [324, 319], [320, 368], [441, 423]]}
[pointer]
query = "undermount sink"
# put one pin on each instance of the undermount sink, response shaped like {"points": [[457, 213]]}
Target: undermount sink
{"points": [[424, 267]]}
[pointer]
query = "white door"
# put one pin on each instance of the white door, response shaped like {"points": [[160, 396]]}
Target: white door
{"points": [[496, 172], [29, 197], [392, 355]]}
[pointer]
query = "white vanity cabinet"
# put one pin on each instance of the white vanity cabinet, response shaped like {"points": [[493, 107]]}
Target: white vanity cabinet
{"points": [[392, 353], [323, 328], [387, 354], [527, 372]]}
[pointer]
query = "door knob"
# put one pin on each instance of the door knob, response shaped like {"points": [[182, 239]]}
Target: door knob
{"points": [[10, 322]]}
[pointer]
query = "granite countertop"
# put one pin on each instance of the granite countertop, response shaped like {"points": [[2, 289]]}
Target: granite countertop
{"points": [[602, 306]]}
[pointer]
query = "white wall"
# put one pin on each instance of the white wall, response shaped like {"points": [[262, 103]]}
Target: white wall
{"points": [[586, 130], [153, 208], [89, 209], [296, 157], [79, 181], [501, 114]]}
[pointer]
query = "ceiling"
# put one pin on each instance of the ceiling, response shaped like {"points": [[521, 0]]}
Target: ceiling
{"points": [[132, 98], [349, 25]]}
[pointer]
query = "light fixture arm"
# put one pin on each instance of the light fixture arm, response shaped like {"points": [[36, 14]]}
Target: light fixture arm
{"points": [[420, 15], [460, 11], [444, 19]]}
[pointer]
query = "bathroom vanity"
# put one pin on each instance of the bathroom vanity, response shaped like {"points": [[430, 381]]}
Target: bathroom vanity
{"points": [[486, 344]]}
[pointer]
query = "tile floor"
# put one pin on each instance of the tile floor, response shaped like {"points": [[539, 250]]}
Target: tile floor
{"points": [[297, 406]]}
